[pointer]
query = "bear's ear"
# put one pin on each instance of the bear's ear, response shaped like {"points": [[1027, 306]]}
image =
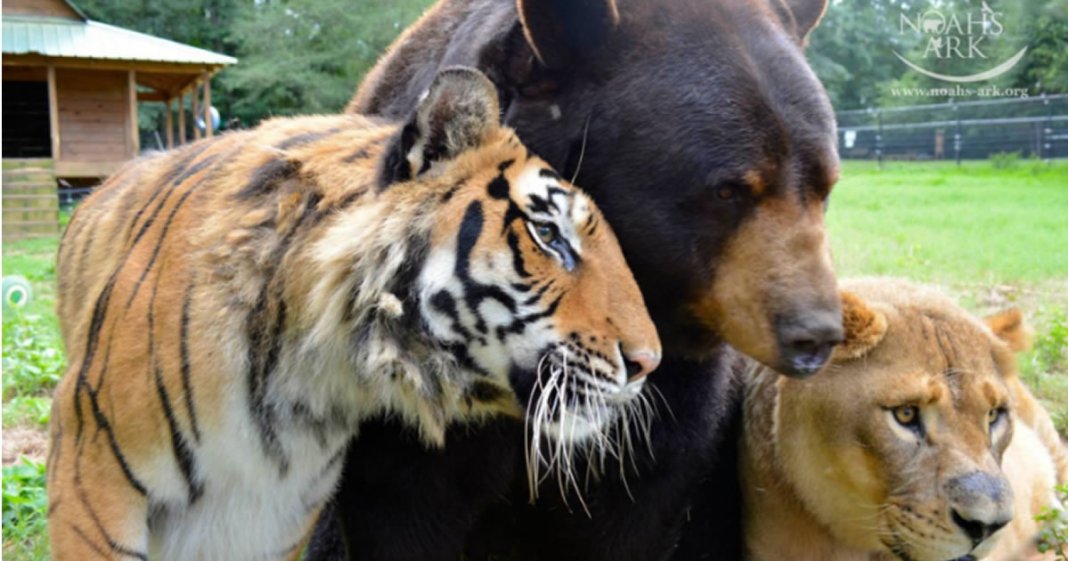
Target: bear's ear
{"points": [[560, 31], [864, 328], [800, 16], [459, 112], [1010, 327]]}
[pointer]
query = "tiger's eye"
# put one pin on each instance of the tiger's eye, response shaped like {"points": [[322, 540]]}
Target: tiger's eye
{"points": [[906, 415], [546, 233]]}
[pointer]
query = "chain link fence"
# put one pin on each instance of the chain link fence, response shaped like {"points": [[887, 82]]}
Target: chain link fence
{"points": [[1033, 127]]}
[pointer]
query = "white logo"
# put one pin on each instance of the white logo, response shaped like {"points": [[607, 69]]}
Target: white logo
{"points": [[957, 36]]}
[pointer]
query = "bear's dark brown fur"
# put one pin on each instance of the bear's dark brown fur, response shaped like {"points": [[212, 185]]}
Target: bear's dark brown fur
{"points": [[710, 146]]}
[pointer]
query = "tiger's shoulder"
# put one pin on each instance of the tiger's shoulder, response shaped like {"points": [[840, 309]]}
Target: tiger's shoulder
{"points": [[243, 171]]}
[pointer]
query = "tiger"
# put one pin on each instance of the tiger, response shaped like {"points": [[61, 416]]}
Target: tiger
{"points": [[235, 308]]}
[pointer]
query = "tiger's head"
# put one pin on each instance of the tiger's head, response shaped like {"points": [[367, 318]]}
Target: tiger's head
{"points": [[511, 276]]}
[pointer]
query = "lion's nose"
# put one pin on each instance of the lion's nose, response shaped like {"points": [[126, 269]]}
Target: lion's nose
{"points": [[640, 363], [976, 530], [982, 504]]}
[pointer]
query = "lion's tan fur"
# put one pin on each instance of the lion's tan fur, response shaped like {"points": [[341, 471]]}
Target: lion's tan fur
{"points": [[817, 476]]}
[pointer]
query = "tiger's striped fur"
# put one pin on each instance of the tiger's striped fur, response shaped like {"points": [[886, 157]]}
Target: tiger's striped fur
{"points": [[233, 309]]}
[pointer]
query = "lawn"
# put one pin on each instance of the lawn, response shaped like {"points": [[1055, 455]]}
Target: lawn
{"points": [[995, 236], [940, 223]]}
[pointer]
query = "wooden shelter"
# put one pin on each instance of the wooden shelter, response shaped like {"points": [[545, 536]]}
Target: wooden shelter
{"points": [[71, 91]]}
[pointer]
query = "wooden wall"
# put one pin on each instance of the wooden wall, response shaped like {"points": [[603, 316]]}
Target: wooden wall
{"points": [[53, 8], [94, 115]]}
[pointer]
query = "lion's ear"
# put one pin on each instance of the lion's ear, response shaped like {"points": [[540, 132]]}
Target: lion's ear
{"points": [[1010, 327], [864, 328]]}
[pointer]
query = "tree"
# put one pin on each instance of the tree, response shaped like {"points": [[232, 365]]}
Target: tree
{"points": [[852, 50], [307, 56]]}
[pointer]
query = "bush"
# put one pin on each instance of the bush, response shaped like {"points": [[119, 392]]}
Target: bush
{"points": [[1005, 160], [25, 508], [32, 360], [28, 410], [1051, 347], [1054, 535]]}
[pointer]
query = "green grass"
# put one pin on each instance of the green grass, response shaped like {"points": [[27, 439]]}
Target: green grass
{"points": [[36, 261], [939, 223], [996, 236], [32, 363], [25, 504], [32, 348]]}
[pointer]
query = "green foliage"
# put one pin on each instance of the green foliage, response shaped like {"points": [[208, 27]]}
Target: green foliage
{"points": [[852, 51], [1051, 346], [1045, 368], [24, 511], [306, 56], [1054, 535], [28, 410], [33, 362], [1005, 160]]}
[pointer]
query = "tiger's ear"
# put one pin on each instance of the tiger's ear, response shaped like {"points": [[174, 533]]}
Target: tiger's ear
{"points": [[459, 112], [864, 328], [1010, 327]]}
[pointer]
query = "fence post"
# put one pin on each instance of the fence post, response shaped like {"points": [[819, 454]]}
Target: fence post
{"points": [[1047, 132], [879, 137], [957, 135]]}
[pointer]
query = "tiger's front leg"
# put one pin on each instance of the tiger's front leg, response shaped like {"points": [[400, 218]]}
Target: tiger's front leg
{"points": [[97, 508]]}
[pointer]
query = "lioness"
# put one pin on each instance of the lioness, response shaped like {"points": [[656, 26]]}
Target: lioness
{"points": [[917, 442]]}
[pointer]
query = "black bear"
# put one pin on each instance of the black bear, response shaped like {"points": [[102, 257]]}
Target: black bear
{"points": [[710, 145]]}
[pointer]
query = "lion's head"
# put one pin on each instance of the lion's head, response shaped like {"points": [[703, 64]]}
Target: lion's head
{"points": [[896, 446]]}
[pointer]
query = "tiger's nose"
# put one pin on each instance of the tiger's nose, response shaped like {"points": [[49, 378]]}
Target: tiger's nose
{"points": [[640, 363]]}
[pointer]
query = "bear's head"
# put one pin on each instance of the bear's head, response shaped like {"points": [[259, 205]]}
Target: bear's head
{"points": [[697, 127]]}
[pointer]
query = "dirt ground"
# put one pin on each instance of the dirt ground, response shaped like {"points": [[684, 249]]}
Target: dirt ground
{"points": [[19, 441]]}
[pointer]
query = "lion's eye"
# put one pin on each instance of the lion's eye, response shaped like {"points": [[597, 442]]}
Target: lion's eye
{"points": [[907, 416], [994, 416]]}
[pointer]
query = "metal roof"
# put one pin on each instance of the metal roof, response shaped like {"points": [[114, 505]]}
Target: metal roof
{"points": [[54, 37]]}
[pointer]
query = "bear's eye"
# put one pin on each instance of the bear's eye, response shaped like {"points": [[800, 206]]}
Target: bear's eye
{"points": [[907, 416], [726, 192]]}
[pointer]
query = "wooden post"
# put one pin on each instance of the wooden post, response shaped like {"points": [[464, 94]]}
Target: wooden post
{"points": [[53, 114], [196, 109], [207, 105], [181, 117], [135, 139], [169, 122]]}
